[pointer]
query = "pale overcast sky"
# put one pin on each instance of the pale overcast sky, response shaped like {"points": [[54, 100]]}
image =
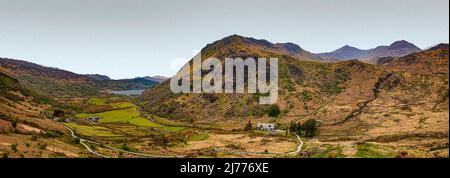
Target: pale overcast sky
{"points": [[129, 38]]}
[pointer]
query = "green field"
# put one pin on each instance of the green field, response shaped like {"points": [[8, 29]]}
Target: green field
{"points": [[92, 131], [368, 150], [199, 137], [97, 101], [127, 113], [114, 102], [331, 152], [122, 105], [172, 129]]}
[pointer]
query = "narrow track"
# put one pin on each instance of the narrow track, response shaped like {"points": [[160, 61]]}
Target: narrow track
{"points": [[84, 141]]}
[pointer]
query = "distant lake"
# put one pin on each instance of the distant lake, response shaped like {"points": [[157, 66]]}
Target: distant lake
{"points": [[127, 92]]}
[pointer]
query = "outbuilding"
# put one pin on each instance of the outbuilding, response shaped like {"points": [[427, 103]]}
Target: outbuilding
{"points": [[266, 126]]}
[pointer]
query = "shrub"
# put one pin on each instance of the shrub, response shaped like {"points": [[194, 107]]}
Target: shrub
{"points": [[248, 126], [14, 147], [274, 111], [14, 123], [42, 146], [58, 113], [310, 127], [125, 147], [306, 96]]}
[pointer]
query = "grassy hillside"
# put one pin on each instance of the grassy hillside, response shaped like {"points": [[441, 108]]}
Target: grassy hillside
{"points": [[23, 130]]}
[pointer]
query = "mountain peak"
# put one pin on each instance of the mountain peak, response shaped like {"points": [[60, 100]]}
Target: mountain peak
{"points": [[347, 48], [234, 37], [236, 40], [403, 44], [236, 45], [291, 47], [442, 46]]}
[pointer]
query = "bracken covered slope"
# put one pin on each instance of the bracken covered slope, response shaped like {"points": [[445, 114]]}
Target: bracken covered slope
{"points": [[406, 95]]}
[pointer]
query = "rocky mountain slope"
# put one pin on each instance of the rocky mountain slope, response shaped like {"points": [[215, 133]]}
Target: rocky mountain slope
{"points": [[401, 98]]}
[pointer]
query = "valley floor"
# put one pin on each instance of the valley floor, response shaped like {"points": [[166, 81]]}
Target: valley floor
{"points": [[114, 127], [124, 131]]}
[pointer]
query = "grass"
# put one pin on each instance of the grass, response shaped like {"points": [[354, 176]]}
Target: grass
{"points": [[168, 122], [124, 112], [113, 101], [126, 147], [368, 150], [122, 105], [199, 137], [143, 122], [95, 131], [331, 152], [97, 101], [128, 115], [172, 129]]}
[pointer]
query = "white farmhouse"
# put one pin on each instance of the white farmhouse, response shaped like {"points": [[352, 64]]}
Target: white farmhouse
{"points": [[266, 126]]}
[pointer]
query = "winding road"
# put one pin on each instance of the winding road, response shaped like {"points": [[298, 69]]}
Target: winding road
{"points": [[84, 141], [299, 147]]}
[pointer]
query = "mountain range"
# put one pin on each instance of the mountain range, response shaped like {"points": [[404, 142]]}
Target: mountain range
{"points": [[396, 49], [54, 81], [156, 78]]}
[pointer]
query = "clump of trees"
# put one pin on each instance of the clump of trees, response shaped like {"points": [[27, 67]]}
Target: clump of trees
{"points": [[248, 126], [307, 129], [58, 113], [274, 110]]}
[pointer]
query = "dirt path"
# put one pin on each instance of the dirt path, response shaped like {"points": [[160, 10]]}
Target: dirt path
{"points": [[299, 147], [84, 141], [72, 133]]}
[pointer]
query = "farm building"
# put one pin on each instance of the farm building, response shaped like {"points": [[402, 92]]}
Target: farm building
{"points": [[266, 126]]}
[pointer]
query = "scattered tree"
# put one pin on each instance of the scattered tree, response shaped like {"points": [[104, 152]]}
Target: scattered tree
{"points": [[274, 110], [14, 123], [310, 127], [125, 147], [14, 147], [307, 129], [58, 113], [248, 126]]}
